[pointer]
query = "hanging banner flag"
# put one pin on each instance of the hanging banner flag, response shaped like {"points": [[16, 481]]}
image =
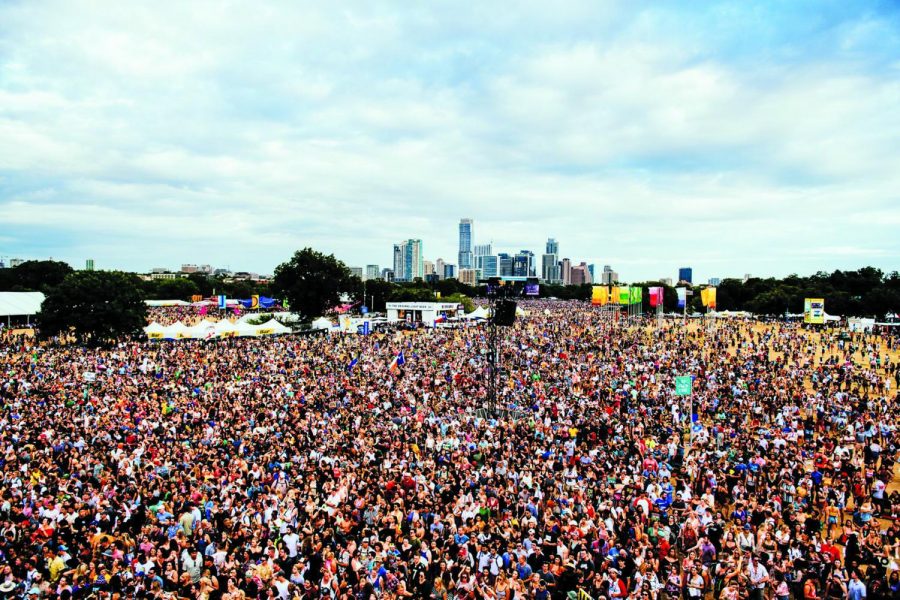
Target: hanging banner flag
{"points": [[814, 310], [614, 294], [222, 302], [682, 296], [624, 295], [708, 297], [656, 296], [196, 298], [599, 295], [254, 302], [637, 295]]}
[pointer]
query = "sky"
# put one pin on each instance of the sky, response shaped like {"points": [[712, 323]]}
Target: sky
{"points": [[733, 137]]}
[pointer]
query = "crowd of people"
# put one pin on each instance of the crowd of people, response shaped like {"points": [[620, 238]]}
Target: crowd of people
{"points": [[324, 467]]}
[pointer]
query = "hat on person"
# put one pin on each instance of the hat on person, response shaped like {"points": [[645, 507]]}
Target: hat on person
{"points": [[7, 586]]}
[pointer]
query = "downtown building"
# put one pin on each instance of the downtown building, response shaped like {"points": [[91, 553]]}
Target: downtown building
{"points": [[409, 263], [466, 256], [550, 269]]}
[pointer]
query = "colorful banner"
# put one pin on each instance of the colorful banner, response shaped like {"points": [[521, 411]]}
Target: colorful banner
{"points": [[637, 295], [656, 296], [624, 294], [814, 311], [599, 295], [222, 302], [708, 297], [196, 298], [682, 296]]}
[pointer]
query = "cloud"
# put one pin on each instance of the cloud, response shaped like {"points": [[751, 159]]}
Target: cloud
{"points": [[732, 137]]}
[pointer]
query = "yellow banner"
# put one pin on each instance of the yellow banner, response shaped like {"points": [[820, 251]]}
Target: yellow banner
{"points": [[599, 295], [814, 311]]}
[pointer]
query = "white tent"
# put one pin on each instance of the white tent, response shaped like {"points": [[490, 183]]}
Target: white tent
{"points": [[245, 329], [154, 303], [225, 328], [831, 318], [176, 331], [20, 304], [154, 331], [272, 327], [322, 323], [203, 330], [479, 313]]}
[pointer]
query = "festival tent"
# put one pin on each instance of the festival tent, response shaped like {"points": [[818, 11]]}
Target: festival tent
{"points": [[154, 331], [322, 323], [157, 303], [20, 304], [225, 328], [203, 330], [245, 329], [479, 313], [831, 318], [272, 327], [176, 331]]}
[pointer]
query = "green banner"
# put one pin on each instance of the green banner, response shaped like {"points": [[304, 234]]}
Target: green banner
{"points": [[636, 295], [624, 294], [684, 385]]}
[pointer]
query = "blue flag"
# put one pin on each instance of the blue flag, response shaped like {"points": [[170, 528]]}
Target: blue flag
{"points": [[352, 363]]}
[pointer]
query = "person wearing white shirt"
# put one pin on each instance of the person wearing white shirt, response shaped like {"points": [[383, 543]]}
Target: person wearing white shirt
{"points": [[759, 577]]}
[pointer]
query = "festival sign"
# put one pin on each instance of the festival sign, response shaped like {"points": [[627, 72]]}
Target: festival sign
{"points": [[814, 311]]}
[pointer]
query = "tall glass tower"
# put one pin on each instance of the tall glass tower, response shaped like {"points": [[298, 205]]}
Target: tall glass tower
{"points": [[465, 244]]}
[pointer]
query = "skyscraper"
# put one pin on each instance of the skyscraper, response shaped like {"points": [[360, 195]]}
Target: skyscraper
{"points": [[372, 272], [439, 268], [489, 266], [580, 274], [465, 244], [504, 264], [566, 271], [408, 262], [356, 272], [482, 252], [89, 264], [523, 264], [686, 274], [608, 276], [550, 262]]}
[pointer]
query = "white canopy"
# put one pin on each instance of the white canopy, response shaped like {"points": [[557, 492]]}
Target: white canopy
{"points": [[322, 323], [479, 313], [153, 303], [272, 327], [14, 304]]}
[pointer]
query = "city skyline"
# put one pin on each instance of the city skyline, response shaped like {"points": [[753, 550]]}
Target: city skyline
{"points": [[728, 136]]}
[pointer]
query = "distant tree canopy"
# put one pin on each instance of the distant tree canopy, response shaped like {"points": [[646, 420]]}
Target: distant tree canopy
{"points": [[313, 282], [33, 276], [96, 307]]}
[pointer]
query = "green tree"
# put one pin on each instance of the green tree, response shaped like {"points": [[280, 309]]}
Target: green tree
{"points": [[96, 307], [313, 282], [34, 276]]}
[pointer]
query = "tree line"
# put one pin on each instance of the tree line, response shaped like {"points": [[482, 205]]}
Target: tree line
{"points": [[101, 305]]}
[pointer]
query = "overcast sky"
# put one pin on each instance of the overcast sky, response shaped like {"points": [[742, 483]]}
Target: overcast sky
{"points": [[734, 137]]}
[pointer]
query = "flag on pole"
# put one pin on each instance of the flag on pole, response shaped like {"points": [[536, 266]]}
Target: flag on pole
{"points": [[682, 296], [398, 362], [352, 364], [656, 297], [222, 303]]}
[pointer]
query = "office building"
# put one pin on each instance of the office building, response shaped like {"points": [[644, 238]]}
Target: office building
{"points": [[468, 277], [608, 276], [686, 274], [428, 267], [666, 281], [714, 281], [591, 270], [580, 274], [89, 264], [15, 262], [523, 264], [439, 268], [550, 262], [747, 277], [371, 271], [482, 251], [566, 271], [408, 262], [387, 274], [504, 265], [189, 269], [356, 272], [449, 271], [489, 266], [465, 244]]}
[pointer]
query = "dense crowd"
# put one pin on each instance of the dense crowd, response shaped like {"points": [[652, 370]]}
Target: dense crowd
{"points": [[307, 467]]}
